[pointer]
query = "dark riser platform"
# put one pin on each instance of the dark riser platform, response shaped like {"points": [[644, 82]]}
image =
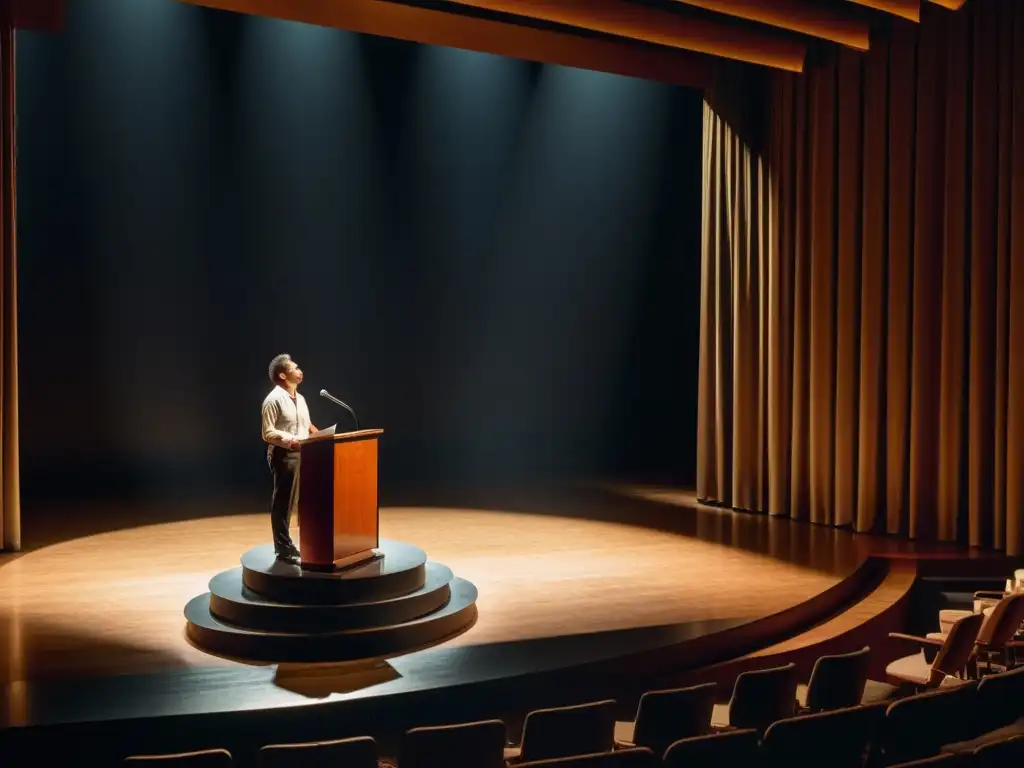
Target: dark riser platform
{"points": [[268, 610]]}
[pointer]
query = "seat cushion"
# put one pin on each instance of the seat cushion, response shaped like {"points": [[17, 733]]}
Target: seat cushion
{"points": [[624, 731], [876, 692], [912, 669]]}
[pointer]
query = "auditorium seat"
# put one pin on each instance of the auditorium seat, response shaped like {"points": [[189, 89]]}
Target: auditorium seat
{"points": [[918, 726], [1000, 754], [949, 666], [838, 738], [206, 758], [759, 698], [729, 748], [950, 616], [997, 712], [1000, 624], [479, 744], [667, 716], [837, 681], [360, 752], [582, 729], [970, 744], [636, 757]]}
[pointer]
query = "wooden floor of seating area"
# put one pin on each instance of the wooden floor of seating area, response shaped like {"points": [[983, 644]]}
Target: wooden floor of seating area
{"points": [[622, 578]]}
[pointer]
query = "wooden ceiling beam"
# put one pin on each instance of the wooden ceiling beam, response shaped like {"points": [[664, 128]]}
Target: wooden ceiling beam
{"points": [[807, 18], [628, 20], [907, 9], [953, 5], [421, 25]]}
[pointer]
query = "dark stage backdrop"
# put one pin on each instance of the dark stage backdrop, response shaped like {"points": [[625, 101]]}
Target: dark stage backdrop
{"points": [[495, 261]]}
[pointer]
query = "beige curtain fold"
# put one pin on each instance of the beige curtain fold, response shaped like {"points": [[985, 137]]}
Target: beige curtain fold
{"points": [[862, 298], [10, 502], [735, 227]]}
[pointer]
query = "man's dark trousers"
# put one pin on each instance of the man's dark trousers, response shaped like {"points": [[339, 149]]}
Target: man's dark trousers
{"points": [[284, 466]]}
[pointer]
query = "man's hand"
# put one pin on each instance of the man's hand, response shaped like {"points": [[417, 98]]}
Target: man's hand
{"points": [[293, 444], [313, 430]]}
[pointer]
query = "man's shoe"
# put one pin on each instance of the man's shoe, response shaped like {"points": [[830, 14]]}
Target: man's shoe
{"points": [[292, 558]]}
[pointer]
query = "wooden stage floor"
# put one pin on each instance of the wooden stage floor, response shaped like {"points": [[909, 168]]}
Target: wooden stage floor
{"points": [[96, 601]]}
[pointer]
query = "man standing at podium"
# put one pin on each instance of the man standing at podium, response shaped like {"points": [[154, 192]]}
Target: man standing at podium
{"points": [[285, 422]]}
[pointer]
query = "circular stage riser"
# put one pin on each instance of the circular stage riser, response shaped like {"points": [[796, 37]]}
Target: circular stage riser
{"points": [[399, 571], [232, 603], [209, 633], [269, 610]]}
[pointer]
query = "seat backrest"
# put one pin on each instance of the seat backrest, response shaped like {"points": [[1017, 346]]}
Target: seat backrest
{"points": [[1000, 754], [838, 681], [360, 752], [1000, 699], [762, 696], [206, 758], [957, 649], [667, 716], [584, 729], [733, 748], [918, 726], [639, 757], [838, 738], [480, 743], [1004, 623]]}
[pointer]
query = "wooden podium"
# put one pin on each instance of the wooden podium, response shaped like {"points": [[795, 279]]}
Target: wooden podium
{"points": [[338, 504]]}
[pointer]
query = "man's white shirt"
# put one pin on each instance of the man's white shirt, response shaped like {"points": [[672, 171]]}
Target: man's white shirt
{"points": [[284, 419]]}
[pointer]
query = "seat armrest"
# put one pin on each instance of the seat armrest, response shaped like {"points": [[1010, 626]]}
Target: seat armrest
{"points": [[922, 641]]}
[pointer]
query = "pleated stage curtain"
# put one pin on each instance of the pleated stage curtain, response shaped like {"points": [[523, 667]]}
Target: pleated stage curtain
{"points": [[862, 298], [10, 501]]}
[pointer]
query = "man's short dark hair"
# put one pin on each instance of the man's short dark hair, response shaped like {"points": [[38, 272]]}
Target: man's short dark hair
{"points": [[279, 365]]}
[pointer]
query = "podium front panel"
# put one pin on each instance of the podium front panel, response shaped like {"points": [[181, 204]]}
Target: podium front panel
{"points": [[356, 508]]}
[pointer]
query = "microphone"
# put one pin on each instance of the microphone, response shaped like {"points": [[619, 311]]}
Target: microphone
{"points": [[328, 396]]}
